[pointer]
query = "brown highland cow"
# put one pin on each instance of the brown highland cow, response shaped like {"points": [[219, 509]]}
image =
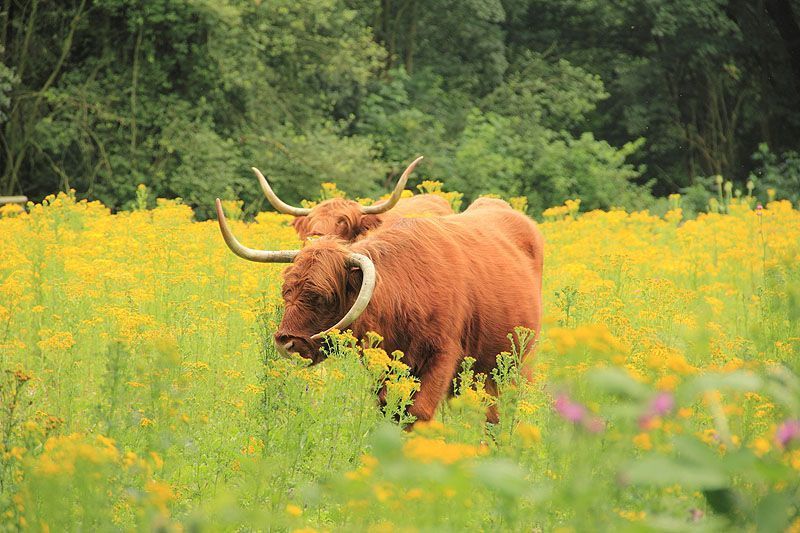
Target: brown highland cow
{"points": [[349, 220], [438, 289]]}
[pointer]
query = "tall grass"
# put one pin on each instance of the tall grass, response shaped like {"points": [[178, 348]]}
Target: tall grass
{"points": [[139, 387]]}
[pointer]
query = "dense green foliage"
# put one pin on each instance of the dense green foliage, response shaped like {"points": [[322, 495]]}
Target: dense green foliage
{"points": [[516, 97]]}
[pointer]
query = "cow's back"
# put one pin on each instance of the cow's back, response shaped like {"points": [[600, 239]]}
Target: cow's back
{"points": [[459, 279], [421, 205], [517, 261], [521, 229], [487, 202]]}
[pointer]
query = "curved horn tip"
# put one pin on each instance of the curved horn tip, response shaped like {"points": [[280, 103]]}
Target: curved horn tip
{"points": [[411, 166], [259, 256], [275, 201], [414, 163], [396, 195], [364, 294]]}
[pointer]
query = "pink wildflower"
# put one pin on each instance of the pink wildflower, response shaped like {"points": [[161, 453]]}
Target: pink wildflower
{"points": [[661, 405], [578, 414], [572, 411], [788, 432]]}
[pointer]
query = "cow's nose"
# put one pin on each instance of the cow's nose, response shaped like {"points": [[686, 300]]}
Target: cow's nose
{"points": [[284, 344]]}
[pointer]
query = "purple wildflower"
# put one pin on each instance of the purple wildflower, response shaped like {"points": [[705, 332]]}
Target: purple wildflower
{"points": [[661, 405], [572, 411], [578, 414], [594, 424], [788, 432]]}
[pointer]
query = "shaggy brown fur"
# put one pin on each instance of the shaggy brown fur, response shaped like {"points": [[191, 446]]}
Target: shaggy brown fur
{"points": [[485, 202], [344, 219], [507, 217], [447, 287]]}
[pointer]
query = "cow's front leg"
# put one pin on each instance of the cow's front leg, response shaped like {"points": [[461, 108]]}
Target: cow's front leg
{"points": [[435, 379]]}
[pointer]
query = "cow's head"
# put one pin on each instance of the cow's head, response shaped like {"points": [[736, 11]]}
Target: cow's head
{"points": [[325, 282], [341, 218], [337, 217]]}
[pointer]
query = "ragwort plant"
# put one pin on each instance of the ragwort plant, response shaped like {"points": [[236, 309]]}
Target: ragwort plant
{"points": [[141, 388]]}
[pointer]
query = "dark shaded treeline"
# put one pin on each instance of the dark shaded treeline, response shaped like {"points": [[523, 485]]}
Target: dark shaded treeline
{"points": [[544, 99]]}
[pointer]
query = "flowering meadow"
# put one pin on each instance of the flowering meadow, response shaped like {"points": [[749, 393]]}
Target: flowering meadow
{"points": [[139, 387]]}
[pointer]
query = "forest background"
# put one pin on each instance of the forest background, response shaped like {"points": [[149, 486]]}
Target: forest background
{"points": [[616, 102]]}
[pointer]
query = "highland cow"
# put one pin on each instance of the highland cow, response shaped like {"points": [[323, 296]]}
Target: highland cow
{"points": [[437, 289], [508, 219], [349, 220]]}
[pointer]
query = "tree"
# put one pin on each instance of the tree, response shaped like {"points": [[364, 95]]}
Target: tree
{"points": [[704, 82]]}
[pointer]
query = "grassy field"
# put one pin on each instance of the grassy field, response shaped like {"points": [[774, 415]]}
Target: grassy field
{"points": [[139, 387]]}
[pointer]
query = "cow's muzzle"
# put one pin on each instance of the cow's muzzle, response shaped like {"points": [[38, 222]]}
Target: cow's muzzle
{"points": [[286, 345]]}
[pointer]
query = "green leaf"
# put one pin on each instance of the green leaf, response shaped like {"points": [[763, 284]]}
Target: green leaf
{"points": [[691, 450], [501, 476], [387, 441], [664, 472], [773, 512], [740, 380], [723, 501], [617, 381]]}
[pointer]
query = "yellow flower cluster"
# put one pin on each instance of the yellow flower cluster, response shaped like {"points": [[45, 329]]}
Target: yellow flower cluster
{"points": [[62, 455], [377, 360], [329, 190], [142, 325], [435, 187], [427, 450], [402, 388], [569, 209], [595, 338], [520, 203], [368, 464], [528, 433]]}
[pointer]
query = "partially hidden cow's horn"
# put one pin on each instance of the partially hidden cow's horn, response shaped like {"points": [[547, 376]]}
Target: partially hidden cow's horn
{"points": [[287, 256], [364, 295], [277, 203], [396, 193], [260, 256]]}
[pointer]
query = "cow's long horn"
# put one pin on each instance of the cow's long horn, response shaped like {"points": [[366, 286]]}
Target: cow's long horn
{"points": [[287, 256], [396, 193], [261, 256], [364, 295], [277, 203]]}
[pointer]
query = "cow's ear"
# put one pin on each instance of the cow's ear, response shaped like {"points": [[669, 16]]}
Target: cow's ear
{"points": [[300, 225], [354, 277], [369, 222]]}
